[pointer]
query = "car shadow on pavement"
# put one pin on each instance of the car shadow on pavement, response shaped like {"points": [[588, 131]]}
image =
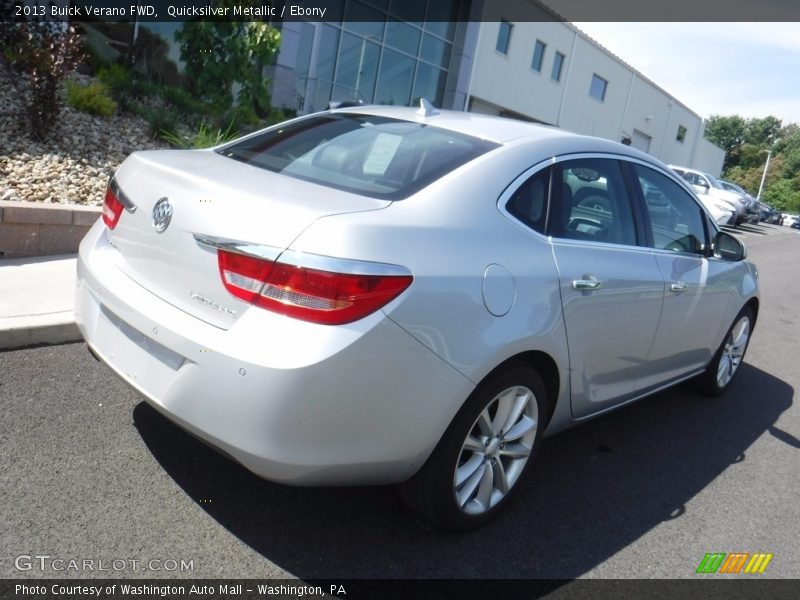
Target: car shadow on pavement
{"points": [[753, 228], [595, 489]]}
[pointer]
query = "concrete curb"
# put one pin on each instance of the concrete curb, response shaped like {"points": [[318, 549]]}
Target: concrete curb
{"points": [[56, 333], [29, 229]]}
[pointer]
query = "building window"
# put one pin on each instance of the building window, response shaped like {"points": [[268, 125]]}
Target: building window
{"points": [[598, 88], [681, 133], [504, 37], [538, 56], [558, 63]]}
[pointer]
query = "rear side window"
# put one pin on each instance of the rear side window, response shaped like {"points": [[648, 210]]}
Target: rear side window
{"points": [[529, 203], [374, 156]]}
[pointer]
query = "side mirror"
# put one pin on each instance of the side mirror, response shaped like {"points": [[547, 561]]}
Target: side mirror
{"points": [[701, 188], [728, 247]]}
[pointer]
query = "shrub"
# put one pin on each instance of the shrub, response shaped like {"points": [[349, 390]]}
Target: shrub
{"points": [[182, 100], [91, 98], [118, 79], [45, 53], [162, 123]]}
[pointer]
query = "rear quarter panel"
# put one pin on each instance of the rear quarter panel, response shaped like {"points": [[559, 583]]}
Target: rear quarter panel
{"points": [[447, 235]]}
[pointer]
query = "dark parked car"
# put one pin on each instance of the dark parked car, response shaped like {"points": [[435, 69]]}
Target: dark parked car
{"points": [[769, 214], [750, 203]]}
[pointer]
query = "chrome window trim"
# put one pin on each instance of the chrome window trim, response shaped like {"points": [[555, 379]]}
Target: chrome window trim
{"points": [[604, 245], [121, 196], [522, 178]]}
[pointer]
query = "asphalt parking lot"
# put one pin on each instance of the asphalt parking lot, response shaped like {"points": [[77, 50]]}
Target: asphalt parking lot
{"points": [[89, 471]]}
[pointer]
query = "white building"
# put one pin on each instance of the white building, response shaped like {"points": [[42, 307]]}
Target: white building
{"points": [[553, 73]]}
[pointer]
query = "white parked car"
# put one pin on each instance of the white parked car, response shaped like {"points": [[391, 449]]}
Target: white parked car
{"points": [[712, 193], [382, 295]]}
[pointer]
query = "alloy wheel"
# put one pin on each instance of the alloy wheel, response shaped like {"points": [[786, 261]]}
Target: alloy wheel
{"points": [[496, 450], [733, 351]]}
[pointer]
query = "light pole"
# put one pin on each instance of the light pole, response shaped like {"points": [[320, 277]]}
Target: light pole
{"points": [[763, 176]]}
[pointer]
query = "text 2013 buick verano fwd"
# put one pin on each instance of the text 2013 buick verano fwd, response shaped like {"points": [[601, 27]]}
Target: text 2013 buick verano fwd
{"points": [[385, 295]]}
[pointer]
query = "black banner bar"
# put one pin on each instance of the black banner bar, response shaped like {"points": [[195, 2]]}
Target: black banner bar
{"points": [[713, 587], [348, 10]]}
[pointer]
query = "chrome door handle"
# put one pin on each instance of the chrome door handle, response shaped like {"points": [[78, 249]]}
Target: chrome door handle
{"points": [[586, 284], [678, 286]]}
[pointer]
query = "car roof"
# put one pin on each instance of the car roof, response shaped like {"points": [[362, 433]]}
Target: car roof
{"points": [[549, 140], [689, 170], [496, 129]]}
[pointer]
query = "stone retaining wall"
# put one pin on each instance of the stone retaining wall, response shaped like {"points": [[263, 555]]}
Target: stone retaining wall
{"points": [[35, 229]]}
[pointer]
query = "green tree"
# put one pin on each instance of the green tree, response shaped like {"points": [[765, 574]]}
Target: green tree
{"points": [[748, 179], [789, 146], [746, 143], [728, 133], [762, 132], [750, 156], [784, 195], [223, 58]]}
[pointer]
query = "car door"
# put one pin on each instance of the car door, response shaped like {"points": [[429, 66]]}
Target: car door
{"points": [[611, 287], [697, 287]]}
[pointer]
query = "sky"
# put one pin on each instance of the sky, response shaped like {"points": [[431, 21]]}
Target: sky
{"points": [[749, 69]]}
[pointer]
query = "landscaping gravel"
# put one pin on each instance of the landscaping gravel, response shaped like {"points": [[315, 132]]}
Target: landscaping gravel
{"points": [[73, 165]]}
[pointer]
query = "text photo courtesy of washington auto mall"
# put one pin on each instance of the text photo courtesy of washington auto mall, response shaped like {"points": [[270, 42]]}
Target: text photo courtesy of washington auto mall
{"points": [[374, 299]]}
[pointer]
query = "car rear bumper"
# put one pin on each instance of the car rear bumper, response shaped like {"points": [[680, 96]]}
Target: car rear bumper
{"points": [[292, 401]]}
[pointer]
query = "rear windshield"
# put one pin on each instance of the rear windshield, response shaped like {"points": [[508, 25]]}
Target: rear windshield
{"points": [[365, 154]]}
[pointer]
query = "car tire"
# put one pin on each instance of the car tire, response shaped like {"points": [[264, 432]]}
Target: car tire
{"points": [[485, 452], [726, 362]]}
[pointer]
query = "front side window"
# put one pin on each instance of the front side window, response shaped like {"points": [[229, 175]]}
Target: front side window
{"points": [[558, 64], [538, 55], [365, 154], [590, 202], [598, 88], [676, 219], [504, 37]]}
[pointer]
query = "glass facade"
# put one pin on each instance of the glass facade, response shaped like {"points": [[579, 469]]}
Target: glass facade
{"points": [[382, 58]]}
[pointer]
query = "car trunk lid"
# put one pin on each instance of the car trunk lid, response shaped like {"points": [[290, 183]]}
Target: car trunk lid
{"points": [[211, 198]]}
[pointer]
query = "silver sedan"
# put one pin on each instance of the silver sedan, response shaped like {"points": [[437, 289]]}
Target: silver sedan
{"points": [[381, 295]]}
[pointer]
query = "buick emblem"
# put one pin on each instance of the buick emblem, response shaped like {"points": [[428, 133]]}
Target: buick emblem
{"points": [[162, 213]]}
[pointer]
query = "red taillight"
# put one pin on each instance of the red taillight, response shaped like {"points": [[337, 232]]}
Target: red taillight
{"points": [[308, 294], [112, 209]]}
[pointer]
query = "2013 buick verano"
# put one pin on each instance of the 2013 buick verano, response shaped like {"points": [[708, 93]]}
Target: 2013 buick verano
{"points": [[380, 295]]}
